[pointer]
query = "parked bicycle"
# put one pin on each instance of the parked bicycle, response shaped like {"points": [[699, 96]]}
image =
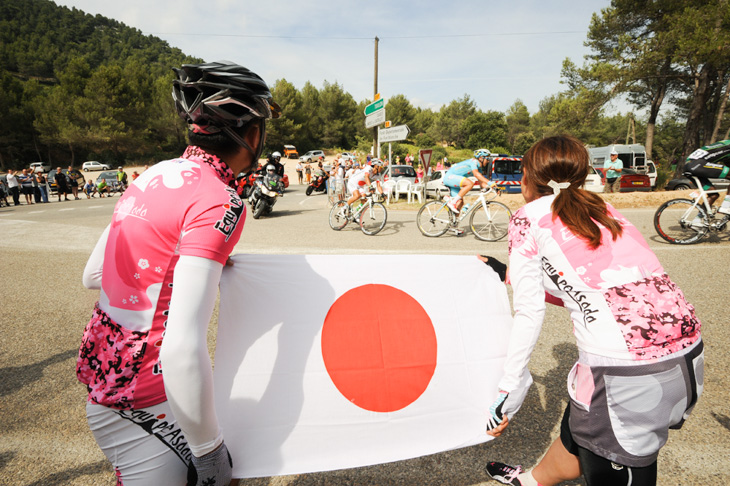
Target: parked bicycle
{"points": [[686, 221], [369, 214], [488, 220]]}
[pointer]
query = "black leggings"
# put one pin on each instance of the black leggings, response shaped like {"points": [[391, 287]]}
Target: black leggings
{"points": [[599, 471]]}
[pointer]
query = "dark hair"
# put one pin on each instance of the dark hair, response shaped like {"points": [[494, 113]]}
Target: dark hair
{"points": [[565, 159], [220, 143]]}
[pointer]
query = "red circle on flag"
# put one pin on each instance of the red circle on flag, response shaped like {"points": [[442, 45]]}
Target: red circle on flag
{"points": [[379, 347]]}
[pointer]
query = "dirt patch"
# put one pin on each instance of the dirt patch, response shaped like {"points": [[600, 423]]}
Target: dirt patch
{"points": [[621, 200]]}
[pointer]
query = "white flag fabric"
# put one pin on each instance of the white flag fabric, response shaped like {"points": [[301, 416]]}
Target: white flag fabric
{"points": [[336, 361]]}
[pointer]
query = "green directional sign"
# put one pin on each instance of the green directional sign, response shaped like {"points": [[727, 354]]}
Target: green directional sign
{"points": [[375, 106]]}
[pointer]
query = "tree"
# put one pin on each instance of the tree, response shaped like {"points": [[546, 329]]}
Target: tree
{"points": [[288, 127], [400, 111], [518, 127]]}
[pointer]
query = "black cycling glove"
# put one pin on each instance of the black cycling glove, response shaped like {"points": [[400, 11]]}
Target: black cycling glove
{"points": [[497, 266]]}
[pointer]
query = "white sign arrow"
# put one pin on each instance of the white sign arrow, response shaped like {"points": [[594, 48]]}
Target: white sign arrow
{"points": [[377, 118], [393, 134]]}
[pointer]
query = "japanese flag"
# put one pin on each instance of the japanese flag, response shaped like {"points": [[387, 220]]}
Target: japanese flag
{"points": [[329, 362]]}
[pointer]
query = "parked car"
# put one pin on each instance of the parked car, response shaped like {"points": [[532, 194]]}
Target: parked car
{"points": [[290, 152], [397, 172], [631, 180], [594, 181], [312, 156], [40, 166], [348, 155], [435, 187], [94, 165]]}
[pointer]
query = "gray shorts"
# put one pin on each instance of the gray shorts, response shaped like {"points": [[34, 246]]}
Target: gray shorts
{"points": [[624, 413]]}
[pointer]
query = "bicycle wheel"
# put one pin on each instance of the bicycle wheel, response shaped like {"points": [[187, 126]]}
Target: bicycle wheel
{"points": [[372, 218], [338, 219], [490, 221], [677, 220], [434, 218]]}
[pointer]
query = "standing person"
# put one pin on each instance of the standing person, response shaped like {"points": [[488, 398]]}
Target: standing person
{"points": [[61, 184], [121, 179], [183, 238], [41, 182], [3, 194], [300, 172], [74, 179], [614, 166], [640, 354], [26, 185], [308, 173], [14, 187]]}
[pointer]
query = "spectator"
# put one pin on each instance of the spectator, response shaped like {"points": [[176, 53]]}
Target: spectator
{"points": [[419, 173], [308, 173], [300, 172], [61, 184], [3, 194], [135, 174], [121, 179], [14, 187], [102, 187], [26, 185], [74, 179], [440, 165], [640, 352], [42, 181], [89, 189], [614, 166]]}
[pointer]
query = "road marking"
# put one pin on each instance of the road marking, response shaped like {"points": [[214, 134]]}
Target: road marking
{"points": [[38, 212], [67, 209]]}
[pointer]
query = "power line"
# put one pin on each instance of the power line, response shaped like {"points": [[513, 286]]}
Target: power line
{"points": [[397, 37]]}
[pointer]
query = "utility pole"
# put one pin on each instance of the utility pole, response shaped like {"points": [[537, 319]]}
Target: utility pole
{"points": [[631, 130], [376, 148]]}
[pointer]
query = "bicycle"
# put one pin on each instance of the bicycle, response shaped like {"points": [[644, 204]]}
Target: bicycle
{"points": [[489, 220], [686, 221], [370, 215]]}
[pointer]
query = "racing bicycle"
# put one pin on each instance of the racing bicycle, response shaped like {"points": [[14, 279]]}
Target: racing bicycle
{"points": [[488, 220], [686, 221], [371, 215]]}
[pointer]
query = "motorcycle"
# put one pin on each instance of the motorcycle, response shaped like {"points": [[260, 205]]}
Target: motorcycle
{"points": [[267, 188], [245, 185], [317, 184]]}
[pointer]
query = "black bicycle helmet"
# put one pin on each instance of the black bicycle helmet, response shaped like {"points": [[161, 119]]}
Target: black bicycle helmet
{"points": [[221, 96]]}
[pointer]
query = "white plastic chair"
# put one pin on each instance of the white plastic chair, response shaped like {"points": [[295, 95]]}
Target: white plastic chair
{"points": [[388, 189], [416, 190], [402, 186]]}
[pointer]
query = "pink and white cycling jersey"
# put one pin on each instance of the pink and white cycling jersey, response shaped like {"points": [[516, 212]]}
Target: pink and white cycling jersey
{"points": [[622, 303], [178, 207]]}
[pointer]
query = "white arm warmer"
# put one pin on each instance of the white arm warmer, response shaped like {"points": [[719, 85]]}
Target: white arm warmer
{"points": [[95, 264], [186, 366]]}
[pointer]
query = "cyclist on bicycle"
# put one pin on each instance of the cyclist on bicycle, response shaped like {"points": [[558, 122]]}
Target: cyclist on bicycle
{"points": [[712, 161], [176, 224], [458, 182], [359, 181]]}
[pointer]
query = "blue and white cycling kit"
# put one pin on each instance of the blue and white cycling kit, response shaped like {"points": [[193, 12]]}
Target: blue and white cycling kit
{"points": [[456, 174]]}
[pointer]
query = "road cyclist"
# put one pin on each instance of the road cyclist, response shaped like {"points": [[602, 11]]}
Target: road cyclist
{"points": [[458, 181], [370, 213], [488, 219]]}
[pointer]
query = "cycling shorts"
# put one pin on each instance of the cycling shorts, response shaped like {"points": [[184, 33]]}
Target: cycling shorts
{"points": [[704, 170], [145, 446], [454, 183]]}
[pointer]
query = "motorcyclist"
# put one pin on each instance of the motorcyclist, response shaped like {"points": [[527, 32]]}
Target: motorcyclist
{"points": [[273, 159]]}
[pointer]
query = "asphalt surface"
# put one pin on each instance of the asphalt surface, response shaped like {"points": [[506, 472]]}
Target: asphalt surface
{"points": [[44, 438]]}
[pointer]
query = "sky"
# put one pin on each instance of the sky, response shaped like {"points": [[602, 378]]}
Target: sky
{"points": [[431, 51]]}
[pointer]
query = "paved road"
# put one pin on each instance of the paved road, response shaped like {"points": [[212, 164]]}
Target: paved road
{"points": [[44, 307]]}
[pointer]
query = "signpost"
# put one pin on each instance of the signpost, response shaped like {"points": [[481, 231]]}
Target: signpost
{"points": [[393, 134], [425, 156], [375, 119], [374, 106]]}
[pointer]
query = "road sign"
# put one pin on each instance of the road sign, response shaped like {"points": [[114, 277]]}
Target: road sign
{"points": [[425, 156], [374, 106], [375, 119], [393, 134]]}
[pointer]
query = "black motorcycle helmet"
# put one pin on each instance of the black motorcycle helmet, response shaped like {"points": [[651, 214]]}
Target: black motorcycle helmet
{"points": [[223, 96]]}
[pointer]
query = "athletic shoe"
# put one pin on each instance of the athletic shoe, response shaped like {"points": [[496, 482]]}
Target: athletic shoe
{"points": [[504, 473], [457, 231], [451, 204], [697, 223]]}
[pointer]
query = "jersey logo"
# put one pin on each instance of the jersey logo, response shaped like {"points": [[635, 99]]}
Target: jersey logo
{"points": [[233, 211]]}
